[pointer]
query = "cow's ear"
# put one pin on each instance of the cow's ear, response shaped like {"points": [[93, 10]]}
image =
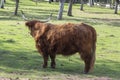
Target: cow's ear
{"points": [[28, 24], [31, 23]]}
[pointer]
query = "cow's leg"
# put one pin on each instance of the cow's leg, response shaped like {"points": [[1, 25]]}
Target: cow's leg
{"points": [[53, 61], [88, 60], [45, 57]]}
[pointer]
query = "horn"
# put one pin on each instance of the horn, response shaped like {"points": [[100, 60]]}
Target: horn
{"points": [[43, 21], [23, 16], [48, 19]]}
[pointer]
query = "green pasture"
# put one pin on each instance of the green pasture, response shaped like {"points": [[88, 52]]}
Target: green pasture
{"points": [[20, 59]]}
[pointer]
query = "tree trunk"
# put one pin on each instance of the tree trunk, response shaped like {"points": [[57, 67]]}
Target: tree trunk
{"points": [[91, 3], [110, 2], [75, 1], [61, 3], [16, 8], [82, 3], [50, 1], [2, 4], [56, 0], [69, 13], [116, 6], [4, 1]]}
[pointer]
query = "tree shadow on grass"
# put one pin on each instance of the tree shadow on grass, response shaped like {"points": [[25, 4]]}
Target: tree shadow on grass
{"points": [[23, 61], [40, 14], [102, 68], [97, 12], [96, 21], [27, 61]]}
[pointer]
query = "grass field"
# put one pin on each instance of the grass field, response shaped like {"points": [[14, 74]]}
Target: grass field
{"points": [[20, 60]]}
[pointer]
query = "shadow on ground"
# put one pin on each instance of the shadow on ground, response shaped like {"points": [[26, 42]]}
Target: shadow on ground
{"points": [[22, 60]]}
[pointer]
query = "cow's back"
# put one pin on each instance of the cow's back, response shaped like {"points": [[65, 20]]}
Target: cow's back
{"points": [[69, 38]]}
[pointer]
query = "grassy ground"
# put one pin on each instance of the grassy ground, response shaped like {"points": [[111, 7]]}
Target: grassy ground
{"points": [[20, 59]]}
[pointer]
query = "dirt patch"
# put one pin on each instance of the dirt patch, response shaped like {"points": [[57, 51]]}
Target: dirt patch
{"points": [[2, 78], [58, 78], [103, 78]]}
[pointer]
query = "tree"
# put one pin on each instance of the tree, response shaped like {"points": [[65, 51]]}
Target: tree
{"points": [[50, 1], [75, 1], [61, 3], [2, 4], [91, 3], [16, 8], [4, 1], [69, 13], [56, 0], [82, 3], [116, 6]]}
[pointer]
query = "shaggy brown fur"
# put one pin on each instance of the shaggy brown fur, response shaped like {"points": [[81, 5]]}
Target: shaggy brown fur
{"points": [[66, 39]]}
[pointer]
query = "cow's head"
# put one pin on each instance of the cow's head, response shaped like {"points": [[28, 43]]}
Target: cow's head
{"points": [[36, 26], [32, 27]]}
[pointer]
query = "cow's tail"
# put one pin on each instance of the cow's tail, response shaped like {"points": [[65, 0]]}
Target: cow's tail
{"points": [[93, 50]]}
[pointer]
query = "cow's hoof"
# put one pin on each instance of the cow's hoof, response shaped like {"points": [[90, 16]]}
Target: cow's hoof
{"points": [[85, 72], [44, 66], [53, 66]]}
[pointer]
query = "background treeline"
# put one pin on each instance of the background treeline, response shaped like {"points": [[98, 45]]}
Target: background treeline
{"points": [[113, 4]]}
